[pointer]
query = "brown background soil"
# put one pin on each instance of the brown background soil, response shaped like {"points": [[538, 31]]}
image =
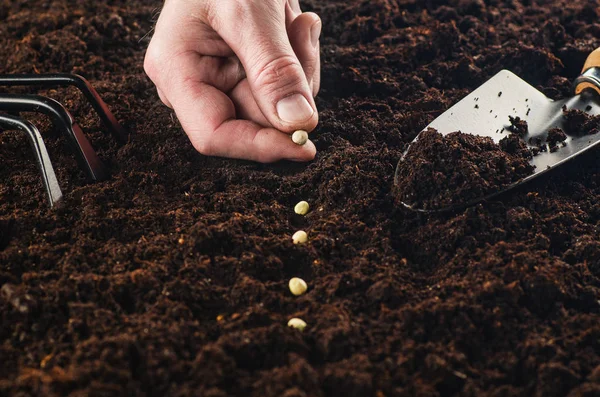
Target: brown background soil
{"points": [[99, 298]]}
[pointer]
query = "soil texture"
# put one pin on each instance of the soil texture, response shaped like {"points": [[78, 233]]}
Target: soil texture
{"points": [[518, 126], [441, 171], [556, 136], [580, 123], [170, 279]]}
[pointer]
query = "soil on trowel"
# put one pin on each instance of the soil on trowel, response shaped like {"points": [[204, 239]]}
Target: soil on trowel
{"points": [[518, 126], [444, 171], [555, 137], [171, 278], [580, 123]]}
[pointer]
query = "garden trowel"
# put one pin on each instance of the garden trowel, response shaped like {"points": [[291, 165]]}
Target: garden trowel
{"points": [[486, 112]]}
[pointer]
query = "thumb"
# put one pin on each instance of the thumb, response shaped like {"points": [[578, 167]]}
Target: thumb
{"points": [[304, 34], [276, 77]]}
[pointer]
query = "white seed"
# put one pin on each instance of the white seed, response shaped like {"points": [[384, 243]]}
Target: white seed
{"points": [[298, 286], [297, 323], [300, 237], [301, 208], [300, 137]]}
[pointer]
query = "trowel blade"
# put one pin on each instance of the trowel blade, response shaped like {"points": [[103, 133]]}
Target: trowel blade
{"points": [[485, 112]]}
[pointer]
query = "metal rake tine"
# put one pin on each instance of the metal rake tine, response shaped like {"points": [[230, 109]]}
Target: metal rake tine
{"points": [[41, 154], [73, 80], [85, 154]]}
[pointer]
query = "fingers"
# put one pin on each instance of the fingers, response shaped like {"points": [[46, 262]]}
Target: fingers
{"points": [[161, 60], [274, 72], [294, 6], [196, 86], [304, 33], [182, 24], [292, 11], [208, 117], [245, 105]]}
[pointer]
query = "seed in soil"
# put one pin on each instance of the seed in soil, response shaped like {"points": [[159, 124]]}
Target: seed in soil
{"points": [[301, 208], [297, 323], [297, 286], [300, 237], [300, 137], [441, 171]]}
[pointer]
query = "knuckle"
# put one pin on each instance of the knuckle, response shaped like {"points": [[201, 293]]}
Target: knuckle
{"points": [[261, 152], [164, 99], [225, 13], [152, 61], [281, 74], [213, 15], [203, 145]]}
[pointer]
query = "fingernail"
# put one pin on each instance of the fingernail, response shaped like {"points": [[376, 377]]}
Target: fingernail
{"points": [[315, 34], [294, 109]]}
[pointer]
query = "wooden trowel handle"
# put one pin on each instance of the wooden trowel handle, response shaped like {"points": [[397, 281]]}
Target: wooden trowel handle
{"points": [[593, 61]]}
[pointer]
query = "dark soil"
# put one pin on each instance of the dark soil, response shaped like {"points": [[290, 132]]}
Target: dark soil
{"points": [[445, 171], [555, 136], [580, 123], [171, 278], [515, 146], [518, 126]]}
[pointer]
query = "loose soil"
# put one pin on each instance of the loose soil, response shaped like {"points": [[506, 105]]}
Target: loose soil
{"points": [[556, 136], [452, 170], [580, 123], [518, 126], [171, 277]]}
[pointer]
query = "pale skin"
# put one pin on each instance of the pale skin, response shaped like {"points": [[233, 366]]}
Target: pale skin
{"points": [[241, 75]]}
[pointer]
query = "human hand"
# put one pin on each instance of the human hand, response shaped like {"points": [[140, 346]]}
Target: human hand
{"points": [[240, 75]]}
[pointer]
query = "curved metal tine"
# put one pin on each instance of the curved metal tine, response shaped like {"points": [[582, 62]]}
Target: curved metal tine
{"points": [[85, 154], [41, 154], [74, 80]]}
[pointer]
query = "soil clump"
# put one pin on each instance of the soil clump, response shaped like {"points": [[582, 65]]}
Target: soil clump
{"points": [[444, 171], [580, 123]]}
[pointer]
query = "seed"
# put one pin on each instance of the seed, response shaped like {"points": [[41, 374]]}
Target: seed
{"points": [[298, 286], [300, 237], [300, 137], [297, 323], [301, 208]]}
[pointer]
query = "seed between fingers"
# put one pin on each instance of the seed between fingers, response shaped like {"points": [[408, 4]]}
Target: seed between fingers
{"points": [[300, 137]]}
